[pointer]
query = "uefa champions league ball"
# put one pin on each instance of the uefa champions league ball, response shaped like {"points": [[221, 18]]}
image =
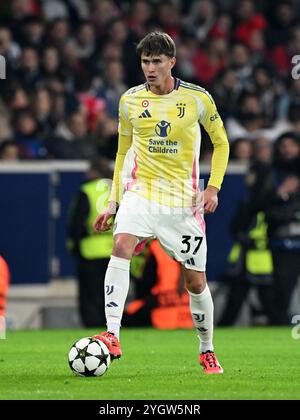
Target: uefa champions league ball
{"points": [[89, 357]]}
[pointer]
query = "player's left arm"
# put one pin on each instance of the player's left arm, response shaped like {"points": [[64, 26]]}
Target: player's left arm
{"points": [[213, 124]]}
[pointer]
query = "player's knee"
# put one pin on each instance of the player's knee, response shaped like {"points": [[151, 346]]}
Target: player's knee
{"points": [[196, 288], [196, 283], [123, 248]]}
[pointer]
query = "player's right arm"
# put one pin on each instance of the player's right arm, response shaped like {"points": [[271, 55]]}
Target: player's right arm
{"points": [[101, 222]]}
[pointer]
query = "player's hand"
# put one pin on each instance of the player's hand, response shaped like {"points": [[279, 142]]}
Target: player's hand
{"points": [[101, 222], [210, 201], [207, 200]]}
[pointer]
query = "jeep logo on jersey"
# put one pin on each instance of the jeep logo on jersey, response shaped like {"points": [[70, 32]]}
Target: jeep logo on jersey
{"points": [[163, 128], [181, 109]]}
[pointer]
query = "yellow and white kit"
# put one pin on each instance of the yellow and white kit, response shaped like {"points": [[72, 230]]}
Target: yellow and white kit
{"points": [[157, 166]]}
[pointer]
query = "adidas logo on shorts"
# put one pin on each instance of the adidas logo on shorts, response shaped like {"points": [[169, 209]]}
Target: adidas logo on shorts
{"points": [[190, 261]]}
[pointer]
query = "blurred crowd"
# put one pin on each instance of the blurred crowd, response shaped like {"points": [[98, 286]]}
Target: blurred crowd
{"points": [[69, 61]]}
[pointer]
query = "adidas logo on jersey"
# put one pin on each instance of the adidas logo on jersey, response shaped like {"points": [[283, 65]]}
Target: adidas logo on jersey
{"points": [[145, 114]]}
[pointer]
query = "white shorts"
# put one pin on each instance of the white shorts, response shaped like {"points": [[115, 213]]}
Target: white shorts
{"points": [[180, 231]]}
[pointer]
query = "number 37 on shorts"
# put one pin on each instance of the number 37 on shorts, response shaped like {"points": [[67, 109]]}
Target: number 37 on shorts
{"points": [[194, 253], [189, 241]]}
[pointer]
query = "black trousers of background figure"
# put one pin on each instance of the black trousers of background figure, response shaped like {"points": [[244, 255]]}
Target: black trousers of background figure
{"points": [[238, 291], [91, 274], [286, 274]]}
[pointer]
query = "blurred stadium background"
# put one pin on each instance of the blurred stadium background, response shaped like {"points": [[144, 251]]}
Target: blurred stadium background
{"points": [[67, 64]]}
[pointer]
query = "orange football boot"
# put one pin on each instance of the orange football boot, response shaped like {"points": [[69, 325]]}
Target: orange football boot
{"points": [[112, 343], [210, 363]]}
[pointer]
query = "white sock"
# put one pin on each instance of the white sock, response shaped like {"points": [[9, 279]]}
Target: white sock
{"points": [[116, 286], [202, 310], [114, 328]]}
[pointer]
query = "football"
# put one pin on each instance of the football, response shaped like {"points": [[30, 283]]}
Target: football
{"points": [[89, 357]]}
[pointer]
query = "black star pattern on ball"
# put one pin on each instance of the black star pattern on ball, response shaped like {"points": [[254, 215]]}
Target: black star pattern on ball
{"points": [[102, 357], [83, 353]]}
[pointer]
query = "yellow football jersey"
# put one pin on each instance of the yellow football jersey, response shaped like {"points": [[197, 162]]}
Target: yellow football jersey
{"points": [[159, 143]]}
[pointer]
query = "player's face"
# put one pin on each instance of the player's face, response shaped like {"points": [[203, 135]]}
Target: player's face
{"points": [[157, 68]]}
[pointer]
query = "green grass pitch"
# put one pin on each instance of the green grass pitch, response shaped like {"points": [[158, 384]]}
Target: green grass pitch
{"points": [[259, 363]]}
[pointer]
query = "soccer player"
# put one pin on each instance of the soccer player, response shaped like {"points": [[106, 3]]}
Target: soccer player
{"points": [[158, 165]]}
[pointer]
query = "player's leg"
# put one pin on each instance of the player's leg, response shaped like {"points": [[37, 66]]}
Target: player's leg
{"points": [[182, 235], [117, 280], [202, 310], [116, 286], [201, 306], [132, 223]]}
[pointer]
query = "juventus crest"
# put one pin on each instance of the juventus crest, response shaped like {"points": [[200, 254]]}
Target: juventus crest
{"points": [[181, 109]]}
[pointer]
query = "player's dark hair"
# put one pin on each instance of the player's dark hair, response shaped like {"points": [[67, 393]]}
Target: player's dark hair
{"points": [[157, 43]]}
